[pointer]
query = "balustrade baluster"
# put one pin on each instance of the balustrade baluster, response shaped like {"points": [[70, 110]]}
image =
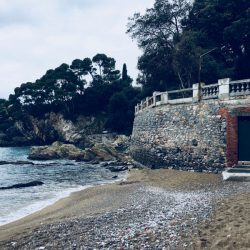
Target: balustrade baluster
{"points": [[212, 91], [235, 88], [244, 87]]}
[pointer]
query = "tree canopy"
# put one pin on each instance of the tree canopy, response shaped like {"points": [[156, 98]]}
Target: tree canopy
{"points": [[175, 37], [86, 87], [174, 34]]}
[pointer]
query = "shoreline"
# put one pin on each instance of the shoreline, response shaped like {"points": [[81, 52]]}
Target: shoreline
{"points": [[143, 211], [43, 204], [34, 208]]}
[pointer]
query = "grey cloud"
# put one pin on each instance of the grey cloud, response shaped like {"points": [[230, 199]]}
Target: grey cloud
{"points": [[40, 34]]}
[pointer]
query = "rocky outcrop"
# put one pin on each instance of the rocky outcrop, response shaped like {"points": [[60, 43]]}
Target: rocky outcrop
{"points": [[23, 185], [57, 150], [99, 152], [17, 162], [52, 127]]}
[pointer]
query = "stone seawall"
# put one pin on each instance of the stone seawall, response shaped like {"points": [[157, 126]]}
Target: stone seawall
{"points": [[184, 136]]}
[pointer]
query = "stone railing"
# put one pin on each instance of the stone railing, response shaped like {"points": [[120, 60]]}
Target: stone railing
{"points": [[210, 91], [239, 88], [225, 89]]}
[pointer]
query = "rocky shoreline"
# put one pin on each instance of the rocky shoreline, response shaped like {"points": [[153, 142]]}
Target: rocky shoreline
{"points": [[153, 209], [112, 155]]}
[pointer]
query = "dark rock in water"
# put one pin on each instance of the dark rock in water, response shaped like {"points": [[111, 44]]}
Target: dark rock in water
{"points": [[94, 162], [104, 164], [115, 177], [17, 162], [117, 168], [23, 185], [114, 163]]}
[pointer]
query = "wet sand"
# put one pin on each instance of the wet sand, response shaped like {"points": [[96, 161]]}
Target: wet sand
{"points": [[152, 209]]}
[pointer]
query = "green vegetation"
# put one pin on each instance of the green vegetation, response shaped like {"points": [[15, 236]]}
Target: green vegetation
{"points": [[68, 90], [174, 34]]}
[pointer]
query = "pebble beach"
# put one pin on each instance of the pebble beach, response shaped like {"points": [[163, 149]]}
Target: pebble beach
{"points": [[152, 209]]}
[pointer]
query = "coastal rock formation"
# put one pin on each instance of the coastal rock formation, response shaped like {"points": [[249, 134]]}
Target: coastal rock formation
{"points": [[98, 152], [17, 162], [57, 150], [23, 185], [52, 127]]}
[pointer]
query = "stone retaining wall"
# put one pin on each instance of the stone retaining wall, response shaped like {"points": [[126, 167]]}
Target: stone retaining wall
{"points": [[184, 136]]}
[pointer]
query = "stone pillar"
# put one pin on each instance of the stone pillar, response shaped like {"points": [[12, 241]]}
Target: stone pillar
{"points": [[197, 92], [164, 98], [224, 88], [154, 97], [141, 105]]}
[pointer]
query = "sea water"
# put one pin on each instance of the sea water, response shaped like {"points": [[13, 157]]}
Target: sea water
{"points": [[60, 178]]}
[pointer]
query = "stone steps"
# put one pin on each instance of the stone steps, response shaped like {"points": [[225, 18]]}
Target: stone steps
{"points": [[238, 170], [238, 173], [240, 167], [243, 163]]}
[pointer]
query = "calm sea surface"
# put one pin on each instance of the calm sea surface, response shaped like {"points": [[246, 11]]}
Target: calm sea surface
{"points": [[60, 177]]}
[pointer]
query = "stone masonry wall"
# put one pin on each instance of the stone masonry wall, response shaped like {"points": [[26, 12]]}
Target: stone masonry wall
{"points": [[184, 136]]}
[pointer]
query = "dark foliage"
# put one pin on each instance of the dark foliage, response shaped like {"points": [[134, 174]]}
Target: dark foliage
{"points": [[174, 34], [68, 90]]}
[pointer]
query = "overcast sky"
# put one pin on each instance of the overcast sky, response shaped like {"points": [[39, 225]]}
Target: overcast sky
{"points": [[36, 35]]}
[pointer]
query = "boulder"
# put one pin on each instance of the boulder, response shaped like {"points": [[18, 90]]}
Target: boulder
{"points": [[57, 150], [122, 143], [89, 155], [69, 151], [117, 168], [101, 152], [43, 153]]}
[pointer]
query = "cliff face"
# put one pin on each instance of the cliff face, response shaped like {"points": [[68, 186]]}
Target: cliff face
{"points": [[53, 127]]}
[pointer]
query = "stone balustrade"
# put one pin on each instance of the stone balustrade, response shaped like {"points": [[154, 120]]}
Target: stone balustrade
{"points": [[239, 88], [224, 90], [210, 91]]}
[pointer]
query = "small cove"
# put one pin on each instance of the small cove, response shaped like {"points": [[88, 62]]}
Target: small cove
{"points": [[60, 178]]}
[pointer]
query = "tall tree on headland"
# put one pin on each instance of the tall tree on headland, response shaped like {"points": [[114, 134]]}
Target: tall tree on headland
{"points": [[174, 34], [157, 32], [224, 24]]}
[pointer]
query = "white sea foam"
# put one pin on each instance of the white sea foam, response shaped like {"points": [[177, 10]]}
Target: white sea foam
{"points": [[60, 178], [38, 206]]}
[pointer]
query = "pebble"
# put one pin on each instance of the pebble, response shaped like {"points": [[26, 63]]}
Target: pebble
{"points": [[153, 218]]}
